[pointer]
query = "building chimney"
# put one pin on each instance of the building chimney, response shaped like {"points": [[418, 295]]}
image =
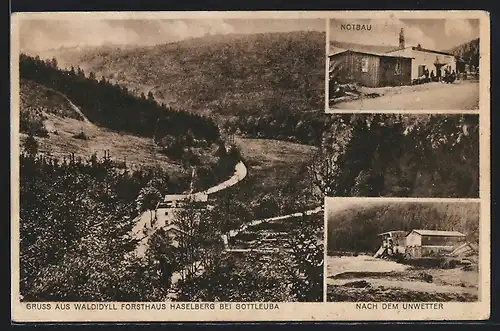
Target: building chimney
{"points": [[402, 39]]}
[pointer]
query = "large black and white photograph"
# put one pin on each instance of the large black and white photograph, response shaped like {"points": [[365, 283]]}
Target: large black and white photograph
{"points": [[167, 160], [402, 251], [403, 64], [398, 155]]}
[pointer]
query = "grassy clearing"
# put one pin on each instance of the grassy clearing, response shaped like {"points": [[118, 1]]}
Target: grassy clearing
{"points": [[272, 164], [35, 98], [136, 151], [66, 131]]}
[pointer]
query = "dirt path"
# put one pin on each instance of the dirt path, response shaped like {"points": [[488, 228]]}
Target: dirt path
{"points": [[75, 108], [176, 276], [240, 172], [418, 286], [432, 96], [245, 226]]}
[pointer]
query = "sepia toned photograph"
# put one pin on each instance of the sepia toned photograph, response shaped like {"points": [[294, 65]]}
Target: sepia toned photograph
{"points": [[192, 166], [398, 155], [399, 251], [403, 64], [166, 160]]}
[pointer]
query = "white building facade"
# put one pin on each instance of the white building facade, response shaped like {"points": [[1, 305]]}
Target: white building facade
{"points": [[426, 59], [168, 210]]}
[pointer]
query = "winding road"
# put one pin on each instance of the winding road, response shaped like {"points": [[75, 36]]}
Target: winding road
{"points": [[234, 233], [144, 223], [240, 172]]}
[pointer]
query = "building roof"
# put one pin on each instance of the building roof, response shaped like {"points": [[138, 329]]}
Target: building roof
{"points": [[430, 51], [370, 53], [439, 233], [393, 232], [420, 49], [180, 197]]}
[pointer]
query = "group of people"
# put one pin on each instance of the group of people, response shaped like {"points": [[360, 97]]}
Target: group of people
{"points": [[448, 76]]}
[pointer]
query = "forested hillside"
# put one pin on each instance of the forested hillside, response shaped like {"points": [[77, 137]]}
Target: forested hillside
{"points": [[183, 137], [467, 52], [111, 106], [399, 155], [356, 229], [266, 85]]}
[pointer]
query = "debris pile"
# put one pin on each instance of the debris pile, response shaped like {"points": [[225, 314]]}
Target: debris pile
{"points": [[344, 92]]}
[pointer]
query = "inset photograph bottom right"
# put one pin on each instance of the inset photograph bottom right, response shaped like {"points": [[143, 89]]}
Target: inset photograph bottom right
{"points": [[402, 250]]}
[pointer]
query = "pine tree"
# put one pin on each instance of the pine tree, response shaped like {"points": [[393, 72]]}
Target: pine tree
{"points": [[147, 199], [30, 146], [151, 96]]}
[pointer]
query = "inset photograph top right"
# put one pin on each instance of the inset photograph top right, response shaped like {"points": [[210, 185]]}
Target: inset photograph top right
{"points": [[403, 64]]}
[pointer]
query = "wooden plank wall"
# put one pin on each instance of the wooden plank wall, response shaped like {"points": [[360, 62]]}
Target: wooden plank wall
{"points": [[369, 78]]}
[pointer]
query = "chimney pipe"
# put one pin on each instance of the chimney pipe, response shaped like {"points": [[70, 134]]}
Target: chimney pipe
{"points": [[401, 39]]}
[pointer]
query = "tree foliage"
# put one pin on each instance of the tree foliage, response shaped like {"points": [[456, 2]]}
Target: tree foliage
{"points": [[356, 229], [306, 243], [399, 155], [292, 274], [147, 199], [468, 53], [75, 221]]}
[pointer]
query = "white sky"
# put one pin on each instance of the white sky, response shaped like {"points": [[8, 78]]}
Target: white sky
{"points": [[438, 34]]}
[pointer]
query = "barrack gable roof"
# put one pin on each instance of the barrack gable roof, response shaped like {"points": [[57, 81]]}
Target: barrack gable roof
{"points": [[439, 233], [370, 53], [430, 51], [420, 49], [395, 232]]}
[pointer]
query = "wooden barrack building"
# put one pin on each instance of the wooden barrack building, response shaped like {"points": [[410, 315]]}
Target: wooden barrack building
{"points": [[372, 69]]}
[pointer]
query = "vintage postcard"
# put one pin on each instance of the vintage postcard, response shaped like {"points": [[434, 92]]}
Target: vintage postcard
{"points": [[191, 166]]}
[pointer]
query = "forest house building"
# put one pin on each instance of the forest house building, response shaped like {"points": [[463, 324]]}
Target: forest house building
{"points": [[421, 243], [403, 65], [171, 207], [425, 60], [371, 69]]}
